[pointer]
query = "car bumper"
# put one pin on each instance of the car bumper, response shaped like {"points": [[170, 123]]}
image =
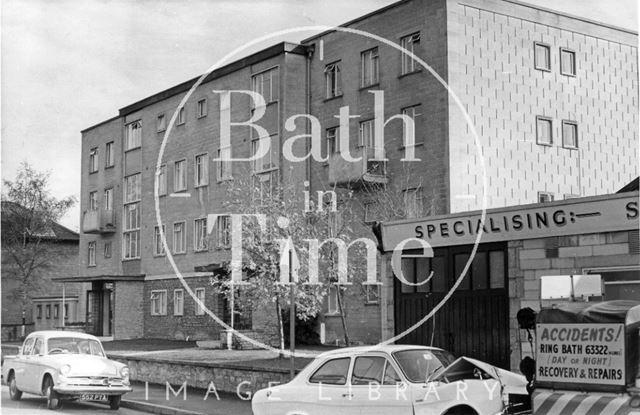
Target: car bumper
{"points": [[82, 389]]}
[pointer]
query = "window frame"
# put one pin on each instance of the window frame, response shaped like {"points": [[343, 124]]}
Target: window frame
{"points": [[332, 139], [93, 160], [333, 291], [418, 200], [182, 162], [550, 120], [178, 311], [416, 113], [109, 155], [162, 180], [574, 69], [200, 311], [258, 165], [204, 157], [107, 198], [333, 80], [130, 144], [575, 125], [94, 204], [91, 253], [181, 119], [163, 305], [184, 238], [132, 202], [108, 250], [258, 78], [196, 246], [372, 136], [346, 378], [408, 65], [202, 108], [535, 56], [367, 291], [161, 123], [369, 67], [223, 232], [157, 241], [223, 165]]}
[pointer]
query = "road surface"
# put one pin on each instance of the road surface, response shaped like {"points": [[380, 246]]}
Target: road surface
{"points": [[34, 405]]}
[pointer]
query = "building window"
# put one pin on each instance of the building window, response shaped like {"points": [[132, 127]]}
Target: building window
{"points": [[333, 80], [56, 311], [366, 134], [180, 176], [93, 160], [223, 231], [178, 302], [409, 129], [544, 132], [369, 67], [161, 123], [47, 311], [181, 117], [264, 186], [567, 62], [200, 296], [542, 57], [266, 84], [332, 300], [413, 203], [545, 197], [158, 246], [91, 254], [39, 311], [270, 160], [201, 108], [131, 228], [332, 141], [569, 134], [201, 171], [93, 201], [179, 238], [372, 294], [107, 198], [109, 155], [200, 235], [409, 44], [162, 180], [107, 249], [159, 303], [66, 311], [223, 165], [133, 135], [369, 211]]}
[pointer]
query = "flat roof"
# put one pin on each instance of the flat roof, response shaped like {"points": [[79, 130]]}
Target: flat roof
{"points": [[106, 278]]}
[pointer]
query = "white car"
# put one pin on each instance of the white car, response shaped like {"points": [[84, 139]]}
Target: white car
{"points": [[65, 365], [396, 380]]}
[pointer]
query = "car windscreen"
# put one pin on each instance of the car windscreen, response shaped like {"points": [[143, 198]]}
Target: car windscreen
{"points": [[418, 364], [74, 345]]}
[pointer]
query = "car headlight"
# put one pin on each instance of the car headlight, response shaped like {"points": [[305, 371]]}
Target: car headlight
{"points": [[124, 373], [64, 370]]}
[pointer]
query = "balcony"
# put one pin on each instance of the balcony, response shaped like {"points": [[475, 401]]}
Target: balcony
{"points": [[98, 221], [357, 173]]}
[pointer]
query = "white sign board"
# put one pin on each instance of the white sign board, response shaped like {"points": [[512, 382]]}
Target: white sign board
{"points": [[581, 353]]}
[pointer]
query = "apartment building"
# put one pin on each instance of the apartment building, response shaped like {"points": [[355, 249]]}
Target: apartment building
{"points": [[553, 98]]}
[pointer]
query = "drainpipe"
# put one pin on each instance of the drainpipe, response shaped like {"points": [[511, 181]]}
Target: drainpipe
{"points": [[62, 314], [310, 50]]}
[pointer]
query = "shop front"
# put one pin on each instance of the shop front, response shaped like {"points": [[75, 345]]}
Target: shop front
{"points": [[497, 261]]}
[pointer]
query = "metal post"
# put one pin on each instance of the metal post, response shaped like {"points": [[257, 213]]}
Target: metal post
{"points": [[292, 317]]}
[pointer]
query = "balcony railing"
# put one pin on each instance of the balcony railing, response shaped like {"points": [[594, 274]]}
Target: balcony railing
{"points": [[366, 170], [98, 221]]}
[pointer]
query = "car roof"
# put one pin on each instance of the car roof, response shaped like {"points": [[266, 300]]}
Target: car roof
{"points": [[48, 334], [388, 348]]}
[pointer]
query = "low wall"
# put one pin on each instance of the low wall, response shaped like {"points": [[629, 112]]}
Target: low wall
{"points": [[226, 377]]}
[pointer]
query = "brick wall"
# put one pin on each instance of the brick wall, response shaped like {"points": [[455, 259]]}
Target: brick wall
{"points": [[529, 260], [128, 312]]}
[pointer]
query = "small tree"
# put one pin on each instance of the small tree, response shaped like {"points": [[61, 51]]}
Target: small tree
{"points": [[29, 214]]}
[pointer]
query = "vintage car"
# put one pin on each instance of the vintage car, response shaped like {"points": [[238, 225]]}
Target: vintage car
{"points": [[397, 380], [65, 365]]}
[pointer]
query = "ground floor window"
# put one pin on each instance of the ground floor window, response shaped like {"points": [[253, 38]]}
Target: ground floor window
{"points": [[159, 303]]}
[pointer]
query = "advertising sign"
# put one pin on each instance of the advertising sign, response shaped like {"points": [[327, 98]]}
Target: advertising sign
{"points": [[581, 353]]}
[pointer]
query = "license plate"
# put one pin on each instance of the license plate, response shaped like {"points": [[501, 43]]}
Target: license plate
{"points": [[93, 397]]}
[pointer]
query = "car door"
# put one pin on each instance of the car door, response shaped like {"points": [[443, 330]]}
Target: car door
{"points": [[328, 390], [20, 364], [377, 387], [34, 367]]}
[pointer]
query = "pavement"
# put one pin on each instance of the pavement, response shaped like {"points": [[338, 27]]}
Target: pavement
{"points": [[161, 400]]}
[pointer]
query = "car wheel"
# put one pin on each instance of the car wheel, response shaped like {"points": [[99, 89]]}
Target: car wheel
{"points": [[461, 410], [14, 393], [114, 402], [53, 399]]}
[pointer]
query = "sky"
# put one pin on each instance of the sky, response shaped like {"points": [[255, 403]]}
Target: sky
{"points": [[69, 64]]}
